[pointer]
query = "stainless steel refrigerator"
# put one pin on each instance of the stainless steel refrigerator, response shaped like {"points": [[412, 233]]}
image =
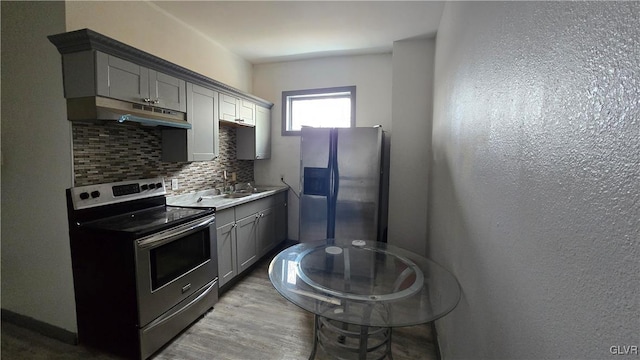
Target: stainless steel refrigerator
{"points": [[344, 184]]}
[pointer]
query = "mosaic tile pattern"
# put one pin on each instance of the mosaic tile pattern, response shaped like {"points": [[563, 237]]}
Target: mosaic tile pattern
{"points": [[108, 152]]}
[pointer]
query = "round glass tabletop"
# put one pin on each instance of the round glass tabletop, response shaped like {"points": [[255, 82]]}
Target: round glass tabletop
{"points": [[364, 283]]}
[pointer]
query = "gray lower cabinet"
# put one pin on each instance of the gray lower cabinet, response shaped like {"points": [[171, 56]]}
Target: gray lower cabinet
{"points": [[266, 234], [247, 232], [247, 241], [226, 234], [280, 219]]}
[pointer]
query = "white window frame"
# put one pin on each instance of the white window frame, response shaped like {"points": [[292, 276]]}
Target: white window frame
{"points": [[323, 93]]}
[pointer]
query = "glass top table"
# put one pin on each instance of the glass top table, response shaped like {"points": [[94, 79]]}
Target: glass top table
{"points": [[366, 283]]}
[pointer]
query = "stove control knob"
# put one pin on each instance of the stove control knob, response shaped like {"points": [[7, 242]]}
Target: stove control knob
{"points": [[159, 185], [84, 195], [152, 186], [95, 194], [144, 187]]}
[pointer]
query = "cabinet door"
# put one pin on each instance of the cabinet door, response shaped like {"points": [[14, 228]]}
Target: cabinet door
{"points": [[266, 231], [281, 219], [202, 140], [228, 108], [247, 246], [227, 265], [121, 79], [254, 143], [263, 133], [167, 91], [247, 112]]}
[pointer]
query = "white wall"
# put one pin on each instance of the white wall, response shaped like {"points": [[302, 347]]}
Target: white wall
{"points": [[36, 167], [371, 74], [143, 25], [535, 193], [410, 150]]}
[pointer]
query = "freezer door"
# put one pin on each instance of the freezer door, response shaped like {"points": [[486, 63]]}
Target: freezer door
{"points": [[314, 160]]}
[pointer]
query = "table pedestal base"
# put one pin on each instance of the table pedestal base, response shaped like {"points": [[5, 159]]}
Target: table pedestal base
{"points": [[348, 341]]}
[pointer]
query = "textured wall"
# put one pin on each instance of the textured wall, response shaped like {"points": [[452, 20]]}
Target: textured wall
{"points": [[535, 196], [117, 152]]}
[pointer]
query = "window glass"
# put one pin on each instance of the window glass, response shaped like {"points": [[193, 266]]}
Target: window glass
{"points": [[323, 108]]}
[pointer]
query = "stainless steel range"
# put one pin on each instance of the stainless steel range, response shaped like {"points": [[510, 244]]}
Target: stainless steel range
{"points": [[143, 271]]}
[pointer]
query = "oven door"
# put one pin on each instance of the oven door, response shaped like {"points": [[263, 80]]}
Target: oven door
{"points": [[173, 264]]}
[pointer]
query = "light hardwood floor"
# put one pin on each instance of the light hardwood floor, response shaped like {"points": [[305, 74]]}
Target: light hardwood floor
{"points": [[250, 322]]}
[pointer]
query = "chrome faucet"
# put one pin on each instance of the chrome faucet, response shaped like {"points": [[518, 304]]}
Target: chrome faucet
{"points": [[224, 181]]}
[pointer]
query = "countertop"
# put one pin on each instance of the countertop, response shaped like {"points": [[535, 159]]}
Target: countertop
{"points": [[220, 202]]}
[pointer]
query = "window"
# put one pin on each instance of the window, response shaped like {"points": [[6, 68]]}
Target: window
{"points": [[323, 108]]}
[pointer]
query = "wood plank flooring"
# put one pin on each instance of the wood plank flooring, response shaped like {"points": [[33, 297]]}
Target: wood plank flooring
{"points": [[252, 321]]}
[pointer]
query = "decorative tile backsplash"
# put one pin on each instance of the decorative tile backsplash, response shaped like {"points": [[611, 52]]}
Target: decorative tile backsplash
{"points": [[108, 152]]}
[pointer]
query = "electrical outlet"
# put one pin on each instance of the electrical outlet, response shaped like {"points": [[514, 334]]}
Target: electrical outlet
{"points": [[281, 177], [174, 184]]}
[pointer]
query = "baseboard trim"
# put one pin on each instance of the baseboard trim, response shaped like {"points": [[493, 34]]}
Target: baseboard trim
{"points": [[40, 327]]}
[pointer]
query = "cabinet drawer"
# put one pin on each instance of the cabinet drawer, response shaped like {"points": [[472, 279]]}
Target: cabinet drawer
{"points": [[253, 207], [224, 217]]}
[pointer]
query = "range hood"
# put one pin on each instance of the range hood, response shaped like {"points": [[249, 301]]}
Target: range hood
{"points": [[94, 108]]}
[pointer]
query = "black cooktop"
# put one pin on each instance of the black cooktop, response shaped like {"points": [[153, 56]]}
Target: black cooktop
{"points": [[148, 220]]}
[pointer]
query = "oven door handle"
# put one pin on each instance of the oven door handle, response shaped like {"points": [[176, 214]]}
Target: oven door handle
{"points": [[172, 234]]}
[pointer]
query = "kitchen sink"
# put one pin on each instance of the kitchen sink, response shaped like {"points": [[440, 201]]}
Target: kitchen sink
{"points": [[234, 195], [213, 198], [243, 193]]}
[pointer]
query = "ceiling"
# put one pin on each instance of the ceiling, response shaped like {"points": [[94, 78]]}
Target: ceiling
{"points": [[270, 31]]}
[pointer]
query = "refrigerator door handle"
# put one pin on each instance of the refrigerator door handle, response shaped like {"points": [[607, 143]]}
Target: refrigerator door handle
{"points": [[334, 185]]}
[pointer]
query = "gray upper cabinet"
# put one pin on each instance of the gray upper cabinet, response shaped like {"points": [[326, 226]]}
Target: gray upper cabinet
{"points": [[236, 110], [91, 73], [167, 91], [201, 113], [200, 143], [255, 143], [228, 108], [121, 79], [95, 64], [263, 133], [247, 111]]}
